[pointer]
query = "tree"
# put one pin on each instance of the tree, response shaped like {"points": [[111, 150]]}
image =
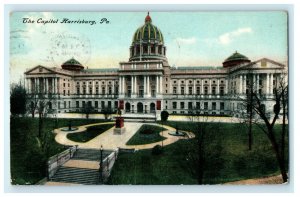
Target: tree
{"points": [[18, 100], [164, 116], [40, 102], [280, 98], [107, 112], [87, 110]]}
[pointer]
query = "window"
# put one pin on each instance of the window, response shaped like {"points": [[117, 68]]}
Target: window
{"points": [[181, 105], [190, 105], [64, 85], [206, 105], [96, 104], [174, 81], [102, 104], [65, 104], [221, 90], [198, 81], [109, 91], [206, 90], [97, 90], [77, 104], [174, 105], [190, 81], [103, 90], [174, 90], [69, 104], [58, 105], [91, 90], [190, 90], [78, 90], [84, 90], [69, 92], [197, 105], [109, 104], [64, 92], [260, 82], [213, 91], [214, 106], [222, 106], [182, 81], [83, 104], [182, 90], [198, 91]]}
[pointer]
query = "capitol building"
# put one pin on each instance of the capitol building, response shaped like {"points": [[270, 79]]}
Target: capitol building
{"points": [[147, 84]]}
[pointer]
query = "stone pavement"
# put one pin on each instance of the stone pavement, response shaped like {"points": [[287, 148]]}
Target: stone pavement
{"points": [[109, 140]]}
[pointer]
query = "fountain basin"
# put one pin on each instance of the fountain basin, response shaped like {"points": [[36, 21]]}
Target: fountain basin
{"points": [[69, 129], [177, 133]]}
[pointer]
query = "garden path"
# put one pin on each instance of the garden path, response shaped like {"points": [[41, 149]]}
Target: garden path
{"points": [[109, 140]]}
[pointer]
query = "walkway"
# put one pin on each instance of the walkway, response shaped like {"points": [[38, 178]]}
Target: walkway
{"points": [[109, 140]]}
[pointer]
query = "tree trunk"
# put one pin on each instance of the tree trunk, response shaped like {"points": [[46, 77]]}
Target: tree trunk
{"points": [[279, 157]]}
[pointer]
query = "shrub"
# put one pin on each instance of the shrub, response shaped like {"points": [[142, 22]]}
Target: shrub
{"points": [[157, 150], [164, 116]]}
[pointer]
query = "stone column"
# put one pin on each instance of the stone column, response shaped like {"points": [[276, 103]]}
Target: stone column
{"points": [[245, 83], [132, 79], [241, 84], [113, 87], [194, 87], [209, 90], [201, 86], [47, 85], [226, 86], [120, 83], [218, 86], [257, 82], [178, 87], [267, 84], [160, 85], [148, 86], [135, 85], [271, 84], [186, 87], [157, 86]]}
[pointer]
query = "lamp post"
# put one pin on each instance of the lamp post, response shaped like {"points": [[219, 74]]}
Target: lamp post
{"points": [[101, 164]]}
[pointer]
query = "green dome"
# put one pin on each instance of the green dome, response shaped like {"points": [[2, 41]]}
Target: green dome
{"points": [[72, 64], [236, 56], [235, 59], [148, 32]]}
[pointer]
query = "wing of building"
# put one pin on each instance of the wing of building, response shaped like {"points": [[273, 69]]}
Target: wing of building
{"points": [[147, 84]]}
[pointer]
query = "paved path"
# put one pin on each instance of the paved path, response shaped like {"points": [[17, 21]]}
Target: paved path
{"points": [[109, 140]]}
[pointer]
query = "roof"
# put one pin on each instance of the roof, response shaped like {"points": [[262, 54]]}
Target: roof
{"points": [[147, 32], [236, 56], [199, 67], [101, 70]]}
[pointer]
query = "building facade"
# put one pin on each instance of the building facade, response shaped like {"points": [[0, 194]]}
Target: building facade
{"points": [[146, 84]]}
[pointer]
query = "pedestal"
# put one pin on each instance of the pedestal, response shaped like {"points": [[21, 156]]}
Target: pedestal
{"points": [[119, 126]]}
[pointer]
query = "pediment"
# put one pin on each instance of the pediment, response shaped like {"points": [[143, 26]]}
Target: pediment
{"points": [[40, 70]]}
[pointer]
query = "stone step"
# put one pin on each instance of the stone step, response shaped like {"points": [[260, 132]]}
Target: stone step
{"points": [[76, 175]]}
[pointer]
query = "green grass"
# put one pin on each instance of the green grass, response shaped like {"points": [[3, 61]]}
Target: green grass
{"points": [[27, 153], [140, 137], [226, 152], [90, 133]]}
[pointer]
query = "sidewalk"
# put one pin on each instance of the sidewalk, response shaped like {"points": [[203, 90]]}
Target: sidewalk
{"points": [[109, 140]]}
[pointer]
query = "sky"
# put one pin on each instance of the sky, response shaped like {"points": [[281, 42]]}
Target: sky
{"points": [[191, 38]]}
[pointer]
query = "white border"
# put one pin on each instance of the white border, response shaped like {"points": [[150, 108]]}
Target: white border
{"points": [[164, 7]]}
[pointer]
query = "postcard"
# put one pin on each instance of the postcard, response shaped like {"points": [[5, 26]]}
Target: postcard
{"points": [[149, 98]]}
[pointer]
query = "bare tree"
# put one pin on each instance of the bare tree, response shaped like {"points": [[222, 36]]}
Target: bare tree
{"points": [[280, 98], [40, 102]]}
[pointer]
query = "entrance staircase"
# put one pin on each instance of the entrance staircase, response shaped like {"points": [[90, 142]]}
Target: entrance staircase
{"points": [[79, 175], [139, 117]]}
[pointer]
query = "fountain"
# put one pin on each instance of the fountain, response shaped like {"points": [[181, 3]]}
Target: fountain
{"points": [[177, 132], [69, 128]]}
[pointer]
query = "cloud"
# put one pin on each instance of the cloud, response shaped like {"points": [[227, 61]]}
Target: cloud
{"points": [[186, 41], [228, 37]]}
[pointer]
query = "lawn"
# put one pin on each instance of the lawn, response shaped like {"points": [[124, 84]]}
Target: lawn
{"points": [[28, 152], [146, 134], [226, 153], [90, 133]]}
